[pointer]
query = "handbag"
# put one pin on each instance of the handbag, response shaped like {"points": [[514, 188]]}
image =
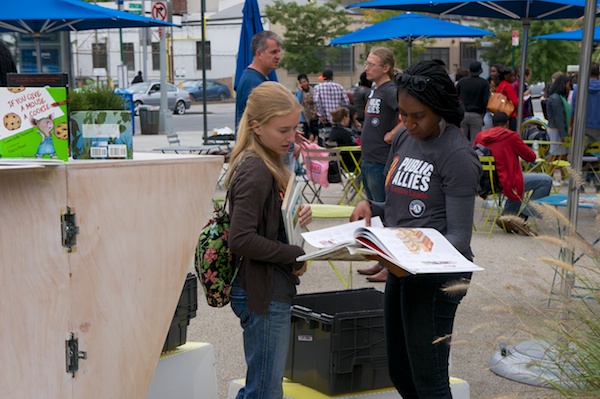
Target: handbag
{"points": [[498, 102]]}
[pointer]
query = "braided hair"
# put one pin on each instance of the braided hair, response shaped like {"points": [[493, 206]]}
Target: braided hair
{"points": [[7, 63], [439, 94]]}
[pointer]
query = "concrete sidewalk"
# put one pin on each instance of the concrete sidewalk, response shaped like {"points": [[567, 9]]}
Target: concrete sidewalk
{"points": [[483, 321], [513, 277]]}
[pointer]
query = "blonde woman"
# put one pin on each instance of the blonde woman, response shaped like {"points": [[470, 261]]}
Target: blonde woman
{"points": [[266, 283]]}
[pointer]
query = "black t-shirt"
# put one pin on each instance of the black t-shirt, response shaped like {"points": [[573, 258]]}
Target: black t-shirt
{"points": [[381, 116]]}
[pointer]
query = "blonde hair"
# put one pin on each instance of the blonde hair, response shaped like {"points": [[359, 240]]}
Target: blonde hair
{"points": [[387, 58], [338, 114], [266, 101]]}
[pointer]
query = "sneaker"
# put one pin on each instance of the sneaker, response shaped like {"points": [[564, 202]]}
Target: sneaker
{"points": [[505, 225], [523, 228]]}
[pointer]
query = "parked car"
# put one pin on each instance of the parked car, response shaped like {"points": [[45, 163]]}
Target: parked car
{"points": [[537, 89], [148, 93], [215, 90]]}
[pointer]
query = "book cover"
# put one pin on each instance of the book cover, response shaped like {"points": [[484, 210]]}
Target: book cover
{"points": [[414, 250], [34, 122], [290, 209], [101, 135]]}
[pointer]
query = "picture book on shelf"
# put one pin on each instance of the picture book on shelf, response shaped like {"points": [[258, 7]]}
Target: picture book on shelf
{"points": [[101, 135], [34, 122], [290, 209], [414, 250]]}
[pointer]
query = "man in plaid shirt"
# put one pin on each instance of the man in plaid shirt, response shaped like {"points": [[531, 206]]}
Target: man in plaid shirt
{"points": [[328, 96]]}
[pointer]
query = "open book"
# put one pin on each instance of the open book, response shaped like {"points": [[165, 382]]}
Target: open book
{"points": [[414, 250], [290, 208]]}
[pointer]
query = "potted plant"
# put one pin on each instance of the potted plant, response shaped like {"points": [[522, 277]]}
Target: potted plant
{"points": [[100, 122]]}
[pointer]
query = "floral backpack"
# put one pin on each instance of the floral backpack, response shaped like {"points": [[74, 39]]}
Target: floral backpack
{"points": [[213, 261]]}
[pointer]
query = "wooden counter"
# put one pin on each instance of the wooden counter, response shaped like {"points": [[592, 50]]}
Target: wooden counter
{"points": [[117, 290]]}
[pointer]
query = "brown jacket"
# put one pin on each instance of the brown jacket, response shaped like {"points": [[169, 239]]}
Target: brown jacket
{"points": [[255, 209]]}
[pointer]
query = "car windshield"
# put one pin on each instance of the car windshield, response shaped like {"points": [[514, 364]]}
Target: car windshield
{"points": [[138, 88], [191, 84]]}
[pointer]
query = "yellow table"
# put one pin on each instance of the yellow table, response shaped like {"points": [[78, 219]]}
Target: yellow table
{"points": [[352, 192], [292, 390]]}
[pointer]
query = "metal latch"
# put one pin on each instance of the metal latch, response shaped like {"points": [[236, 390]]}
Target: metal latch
{"points": [[69, 230], [73, 354]]}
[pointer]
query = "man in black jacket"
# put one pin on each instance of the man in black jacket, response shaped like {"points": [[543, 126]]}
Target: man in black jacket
{"points": [[474, 93]]}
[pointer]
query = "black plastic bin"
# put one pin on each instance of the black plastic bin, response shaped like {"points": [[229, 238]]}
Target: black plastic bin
{"points": [[149, 117], [185, 311], [337, 342]]}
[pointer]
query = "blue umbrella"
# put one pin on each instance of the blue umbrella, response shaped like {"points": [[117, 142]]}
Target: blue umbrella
{"points": [[574, 35], [251, 25], [523, 10], [409, 27], [501, 9], [37, 17]]}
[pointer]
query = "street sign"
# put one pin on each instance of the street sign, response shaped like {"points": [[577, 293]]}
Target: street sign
{"points": [[134, 7], [515, 38], [160, 11]]}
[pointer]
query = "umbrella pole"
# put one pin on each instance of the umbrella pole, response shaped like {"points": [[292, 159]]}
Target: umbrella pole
{"points": [[526, 24], [38, 51], [204, 108], [409, 42], [579, 123]]}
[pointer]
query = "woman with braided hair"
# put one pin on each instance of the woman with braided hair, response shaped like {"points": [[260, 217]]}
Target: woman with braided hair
{"points": [[432, 174], [7, 63]]}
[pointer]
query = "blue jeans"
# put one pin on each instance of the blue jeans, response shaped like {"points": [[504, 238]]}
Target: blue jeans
{"points": [[266, 342], [539, 184], [373, 180], [416, 313]]}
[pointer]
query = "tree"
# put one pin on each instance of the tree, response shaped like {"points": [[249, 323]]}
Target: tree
{"points": [[308, 28], [544, 57]]}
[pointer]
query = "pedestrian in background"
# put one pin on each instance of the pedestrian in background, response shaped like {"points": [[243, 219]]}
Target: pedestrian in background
{"points": [[328, 96], [474, 93], [7, 63], [308, 117], [138, 78], [559, 120], [266, 53], [506, 78], [361, 96], [380, 127]]}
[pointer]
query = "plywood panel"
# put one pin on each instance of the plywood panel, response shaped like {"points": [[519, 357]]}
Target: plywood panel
{"points": [[139, 222], [34, 285]]}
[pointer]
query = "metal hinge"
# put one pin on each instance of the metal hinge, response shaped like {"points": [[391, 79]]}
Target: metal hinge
{"points": [[69, 230], [73, 354]]}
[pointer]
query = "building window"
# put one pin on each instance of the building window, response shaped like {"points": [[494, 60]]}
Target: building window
{"points": [[468, 53], [99, 56], [155, 56], [435, 53], [206, 55], [129, 56], [344, 61]]}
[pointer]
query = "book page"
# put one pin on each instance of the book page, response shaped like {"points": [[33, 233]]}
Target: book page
{"points": [[337, 235], [417, 250], [338, 252]]}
